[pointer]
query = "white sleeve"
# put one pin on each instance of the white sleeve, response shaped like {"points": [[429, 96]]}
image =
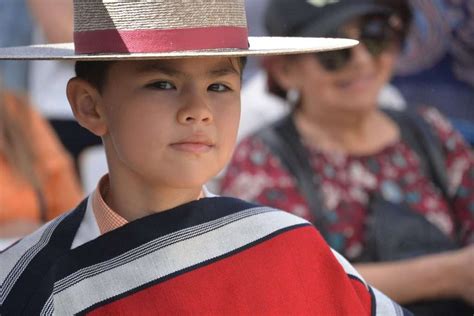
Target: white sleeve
{"points": [[383, 305]]}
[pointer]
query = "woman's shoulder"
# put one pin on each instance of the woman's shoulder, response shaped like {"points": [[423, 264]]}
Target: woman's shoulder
{"points": [[18, 108], [16, 105], [453, 144], [431, 123], [440, 123], [252, 146]]}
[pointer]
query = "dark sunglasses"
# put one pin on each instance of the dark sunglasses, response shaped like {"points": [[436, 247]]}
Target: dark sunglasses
{"points": [[377, 34]]}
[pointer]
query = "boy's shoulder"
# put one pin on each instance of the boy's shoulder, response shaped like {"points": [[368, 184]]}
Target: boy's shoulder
{"points": [[39, 249]]}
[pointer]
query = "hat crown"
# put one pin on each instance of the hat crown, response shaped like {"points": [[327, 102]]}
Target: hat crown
{"points": [[92, 15], [104, 26]]}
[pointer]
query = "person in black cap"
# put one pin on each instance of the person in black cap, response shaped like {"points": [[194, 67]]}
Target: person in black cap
{"points": [[393, 191]]}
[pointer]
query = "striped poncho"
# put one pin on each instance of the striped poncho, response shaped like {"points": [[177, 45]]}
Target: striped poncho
{"points": [[213, 256]]}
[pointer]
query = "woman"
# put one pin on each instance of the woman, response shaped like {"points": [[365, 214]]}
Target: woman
{"points": [[364, 171], [37, 177]]}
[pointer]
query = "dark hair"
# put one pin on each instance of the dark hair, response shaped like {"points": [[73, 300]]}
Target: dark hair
{"points": [[95, 72], [404, 11], [305, 19], [242, 63]]}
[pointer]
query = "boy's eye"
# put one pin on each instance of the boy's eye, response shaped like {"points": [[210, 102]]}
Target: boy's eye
{"points": [[162, 85], [218, 87]]}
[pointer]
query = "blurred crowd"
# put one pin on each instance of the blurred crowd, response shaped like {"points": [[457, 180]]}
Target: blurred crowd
{"points": [[350, 140], [39, 176]]}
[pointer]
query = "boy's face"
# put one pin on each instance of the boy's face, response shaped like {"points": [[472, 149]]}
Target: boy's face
{"points": [[171, 123]]}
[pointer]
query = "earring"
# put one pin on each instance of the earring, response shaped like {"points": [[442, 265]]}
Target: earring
{"points": [[292, 97]]}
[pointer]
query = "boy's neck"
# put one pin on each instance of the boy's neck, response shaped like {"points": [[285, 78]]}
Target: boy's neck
{"points": [[133, 201]]}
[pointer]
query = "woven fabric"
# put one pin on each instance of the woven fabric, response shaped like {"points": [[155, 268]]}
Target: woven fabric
{"points": [[160, 15], [212, 256], [158, 26]]}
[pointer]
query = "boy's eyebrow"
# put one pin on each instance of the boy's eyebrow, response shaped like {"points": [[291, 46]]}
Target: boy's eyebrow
{"points": [[223, 70], [160, 67], [219, 70]]}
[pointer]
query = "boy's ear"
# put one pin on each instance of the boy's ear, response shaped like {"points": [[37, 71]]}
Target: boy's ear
{"points": [[86, 105]]}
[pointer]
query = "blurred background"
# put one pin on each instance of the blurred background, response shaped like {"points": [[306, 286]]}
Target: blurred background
{"points": [[435, 68]]}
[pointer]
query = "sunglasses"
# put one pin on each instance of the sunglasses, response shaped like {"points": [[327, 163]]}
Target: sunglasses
{"points": [[377, 34]]}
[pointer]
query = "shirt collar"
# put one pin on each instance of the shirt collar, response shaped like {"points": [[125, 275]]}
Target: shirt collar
{"points": [[107, 219]]}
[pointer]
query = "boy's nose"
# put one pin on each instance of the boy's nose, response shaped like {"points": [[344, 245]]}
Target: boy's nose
{"points": [[196, 110]]}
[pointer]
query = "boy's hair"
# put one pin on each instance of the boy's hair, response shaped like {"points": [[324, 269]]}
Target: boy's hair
{"points": [[95, 72]]}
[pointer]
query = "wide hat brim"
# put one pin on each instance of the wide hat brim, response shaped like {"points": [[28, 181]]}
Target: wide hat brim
{"points": [[257, 46]]}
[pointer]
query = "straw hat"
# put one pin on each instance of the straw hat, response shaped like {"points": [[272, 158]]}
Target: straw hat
{"points": [[112, 30]]}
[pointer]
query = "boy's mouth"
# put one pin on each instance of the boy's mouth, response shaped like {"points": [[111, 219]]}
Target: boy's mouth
{"points": [[196, 145]]}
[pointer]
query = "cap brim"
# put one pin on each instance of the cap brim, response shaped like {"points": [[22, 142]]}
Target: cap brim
{"points": [[257, 46]]}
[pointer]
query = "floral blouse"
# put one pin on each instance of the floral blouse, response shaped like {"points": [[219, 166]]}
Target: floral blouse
{"points": [[348, 181]]}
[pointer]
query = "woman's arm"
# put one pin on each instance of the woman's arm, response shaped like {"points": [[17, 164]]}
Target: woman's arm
{"points": [[459, 160], [445, 275]]}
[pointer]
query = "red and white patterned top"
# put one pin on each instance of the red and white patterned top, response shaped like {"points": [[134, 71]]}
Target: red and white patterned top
{"points": [[348, 181]]}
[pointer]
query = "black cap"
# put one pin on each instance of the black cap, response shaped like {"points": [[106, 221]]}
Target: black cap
{"points": [[317, 17]]}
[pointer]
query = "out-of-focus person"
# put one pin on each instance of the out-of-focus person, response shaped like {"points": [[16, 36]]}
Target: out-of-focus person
{"points": [[271, 107], [53, 23], [393, 191], [15, 30], [37, 177], [437, 64]]}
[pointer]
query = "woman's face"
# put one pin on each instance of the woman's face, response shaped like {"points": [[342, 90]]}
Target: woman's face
{"points": [[353, 87]]}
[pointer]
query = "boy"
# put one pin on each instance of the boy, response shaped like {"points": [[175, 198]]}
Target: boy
{"points": [[150, 239]]}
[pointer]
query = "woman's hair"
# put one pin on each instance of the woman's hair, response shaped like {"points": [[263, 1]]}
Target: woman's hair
{"points": [[15, 137], [272, 85], [403, 10]]}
